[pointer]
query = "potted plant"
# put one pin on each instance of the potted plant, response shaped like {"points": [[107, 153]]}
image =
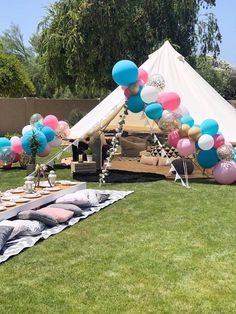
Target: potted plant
{"points": [[89, 154]]}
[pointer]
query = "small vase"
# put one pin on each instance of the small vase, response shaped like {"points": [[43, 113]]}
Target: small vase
{"points": [[52, 177], [89, 158]]}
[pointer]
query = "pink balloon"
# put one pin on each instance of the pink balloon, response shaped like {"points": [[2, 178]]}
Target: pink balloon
{"points": [[170, 101], [219, 140], [51, 121], [173, 138], [127, 93], [16, 146], [46, 151], [225, 172], [14, 138], [142, 75], [124, 87], [186, 147]]}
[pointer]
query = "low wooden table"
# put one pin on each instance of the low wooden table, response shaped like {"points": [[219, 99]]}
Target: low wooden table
{"points": [[83, 167], [43, 200]]}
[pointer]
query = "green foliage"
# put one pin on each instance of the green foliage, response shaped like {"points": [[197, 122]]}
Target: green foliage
{"points": [[10, 135], [74, 117], [164, 250], [218, 74], [81, 40], [13, 43], [14, 80]]}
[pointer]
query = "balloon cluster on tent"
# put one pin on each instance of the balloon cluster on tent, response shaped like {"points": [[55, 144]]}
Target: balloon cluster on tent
{"points": [[38, 138], [205, 142]]}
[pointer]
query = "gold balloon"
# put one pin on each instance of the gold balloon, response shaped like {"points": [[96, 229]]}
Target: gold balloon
{"points": [[194, 133], [134, 89], [183, 131]]}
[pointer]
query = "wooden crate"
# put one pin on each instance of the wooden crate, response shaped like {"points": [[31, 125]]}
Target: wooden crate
{"points": [[83, 167]]}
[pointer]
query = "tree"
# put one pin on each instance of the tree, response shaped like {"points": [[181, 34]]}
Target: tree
{"points": [[13, 43], [82, 39], [14, 80], [219, 75]]}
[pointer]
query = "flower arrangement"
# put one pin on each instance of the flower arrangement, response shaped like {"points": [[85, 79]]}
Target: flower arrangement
{"points": [[41, 171], [115, 144]]}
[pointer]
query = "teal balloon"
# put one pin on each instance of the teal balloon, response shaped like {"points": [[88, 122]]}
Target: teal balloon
{"points": [[4, 142], [207, 158], [154, 111], [39, 125], [135, 103], [27, 142], [210, 127], [49, 133], [125, 72], [187, 120]]}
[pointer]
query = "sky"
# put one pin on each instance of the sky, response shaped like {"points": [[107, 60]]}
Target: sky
{"points": [[28, 13]]}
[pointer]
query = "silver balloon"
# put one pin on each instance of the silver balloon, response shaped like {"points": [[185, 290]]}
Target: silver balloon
{"points": [[169, 122], [157, 80], [225, 152]]}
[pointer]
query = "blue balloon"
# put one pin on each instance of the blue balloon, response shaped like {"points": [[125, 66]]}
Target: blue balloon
{"points": [[49, 133], [39, 126], [210, 127], [207, 158], [135, 103], [27, 142], [187, 120], [4, 142], [154, 111], [125, 72]]}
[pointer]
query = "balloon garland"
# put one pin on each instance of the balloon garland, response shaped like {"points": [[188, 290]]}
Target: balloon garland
{"points": [[144, 93], [37, 139]]}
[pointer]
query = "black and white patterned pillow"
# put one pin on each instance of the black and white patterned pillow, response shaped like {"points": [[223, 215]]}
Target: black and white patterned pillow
{"points": [[170, 151], [5, 232]]}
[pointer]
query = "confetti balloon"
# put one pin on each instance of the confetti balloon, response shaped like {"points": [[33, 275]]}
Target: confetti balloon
{"points": [[36, 118], [169, 122], [225, 152], [157, 80], [225, 172], [63, 129]]}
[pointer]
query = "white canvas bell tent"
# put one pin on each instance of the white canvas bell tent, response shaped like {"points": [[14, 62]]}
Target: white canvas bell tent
{"points": [[202, 100]]}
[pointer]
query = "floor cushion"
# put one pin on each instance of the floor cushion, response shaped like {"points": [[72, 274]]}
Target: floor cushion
{"points": [[178, 164], [77, 211], [24, 227], [5, 232], [79, 198], [59, 214], [149, 160], [39, 216]]}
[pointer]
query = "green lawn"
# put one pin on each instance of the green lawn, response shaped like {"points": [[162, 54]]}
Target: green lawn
{"points": [[164, 249]]}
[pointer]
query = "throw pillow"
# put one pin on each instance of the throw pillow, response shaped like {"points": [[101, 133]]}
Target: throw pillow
{"points": [[79, 198], [59, 214], [73, 208], [36, 215], [5, 232], [24, 227], [149, 160]]}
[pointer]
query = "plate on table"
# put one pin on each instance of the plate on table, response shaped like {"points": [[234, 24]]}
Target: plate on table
{"points": [[44, 192], [2, 208], [8, 204], [9, 198], [44, 184], [22, 200], [52, 189], [33, 195], [67, 182], [18, 190]]}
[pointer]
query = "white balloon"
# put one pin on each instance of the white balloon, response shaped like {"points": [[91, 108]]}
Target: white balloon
{"points": [[14, 138], [57, 141], [26, 129], [149, 94], [182, 110], [206, 142]]}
